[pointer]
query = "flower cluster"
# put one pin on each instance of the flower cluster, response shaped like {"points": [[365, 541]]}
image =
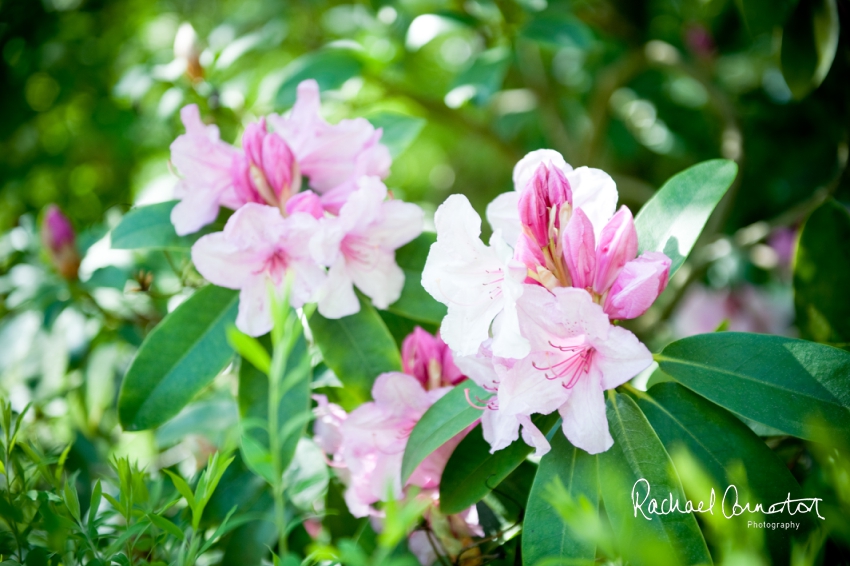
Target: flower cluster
{"points": [[309, 201], [530, 316], [366, 446]]}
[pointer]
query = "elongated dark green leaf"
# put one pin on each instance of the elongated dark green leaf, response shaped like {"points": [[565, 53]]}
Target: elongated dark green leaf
{"points": [[472, 472], [544, 532], [822, 275], [178, 358], [415, 303], [329, 67], [357, 348], [719, 441], [809, 42], [399, 130], [150, 227], [254, 407], [795, 386], [637, 455], [440, 423], [672, 220], [485, 76]]}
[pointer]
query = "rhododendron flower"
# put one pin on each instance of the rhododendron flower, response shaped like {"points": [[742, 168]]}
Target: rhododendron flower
{"points": [[576, 354], [366, 446], [58, 238], [476, 282], [256, 250], [269, 166], [427, 358], [359, 246]]}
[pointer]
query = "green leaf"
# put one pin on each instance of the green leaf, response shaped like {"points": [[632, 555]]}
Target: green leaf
{"points": [[180, 357], [809, 42], [72, 500], [795, 386], [294, 404], [441, 422], [164, 524], [415, 303], [400, 130], [357, 348], [150, 227], [761, 16], [250, 349], [822, 275], [638, 454], [559, 31], [544, 533], [672, 220], [182, 487], [720, 442], [485, 76], [472, 472], [94, 504], [330, 67]]}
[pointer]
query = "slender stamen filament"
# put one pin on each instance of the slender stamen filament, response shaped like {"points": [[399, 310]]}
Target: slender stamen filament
{"points": [[571, 367]]}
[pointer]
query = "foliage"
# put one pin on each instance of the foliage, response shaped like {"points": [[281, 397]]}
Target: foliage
{"points": [[140, 427]]}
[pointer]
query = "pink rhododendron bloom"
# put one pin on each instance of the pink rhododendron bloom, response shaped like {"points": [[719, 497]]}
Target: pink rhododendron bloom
{"points": [[576, 354], [476, 282], [269, 166], [206, 166], [366, 446], [254, 253], [427, 358], [59, 239], [359, 246], [333, 157]]}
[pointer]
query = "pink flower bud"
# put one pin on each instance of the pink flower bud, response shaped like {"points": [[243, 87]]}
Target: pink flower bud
{"points": [[528, 253], [429, 360], [541, 200], [308, 202], [272, 170], [579, 248], [57, 236], [617, 245], [252, 141], [280, 167], [640, 282]]}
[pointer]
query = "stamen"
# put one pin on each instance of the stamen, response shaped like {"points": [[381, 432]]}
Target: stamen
{"points": [[473, 405]]}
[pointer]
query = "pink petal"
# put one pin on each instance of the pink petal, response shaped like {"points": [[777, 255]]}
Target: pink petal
{"points": [[640, 282], [222, 263], [305, 201], [533, 437], [278, 163], [402, 394], [254, 317], [584, 421], [579, 250], [617, 245], [499, 429]]}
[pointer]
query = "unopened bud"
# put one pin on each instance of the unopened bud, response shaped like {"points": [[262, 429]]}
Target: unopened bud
{"points": [[58, 238]]}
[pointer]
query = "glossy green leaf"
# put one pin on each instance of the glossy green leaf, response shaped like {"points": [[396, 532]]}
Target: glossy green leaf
{"points": [[165, 525], [483, 78], [150, 227], [415, 303], [795, 386], [181, 356], [472, 472], [441, 422], [822, 275], [545, 535], [399, 130], [719, 441], [329, 67], [809, 42], [637, 455], [672, 220], [250, 349], [357, 348]]}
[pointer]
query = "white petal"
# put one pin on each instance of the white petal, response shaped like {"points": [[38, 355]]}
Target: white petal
{"points": [[524, 389], [381, 279], [595, 192], [503, 214], [499, 429], [224, 264], [533, 437], [584, 421], [196, 210], [337, 298], [620, 357], [255, 318]]}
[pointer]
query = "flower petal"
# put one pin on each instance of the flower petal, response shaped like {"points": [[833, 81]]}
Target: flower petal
{"points": [[503, 214], [595, 192], [584, 421]]}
